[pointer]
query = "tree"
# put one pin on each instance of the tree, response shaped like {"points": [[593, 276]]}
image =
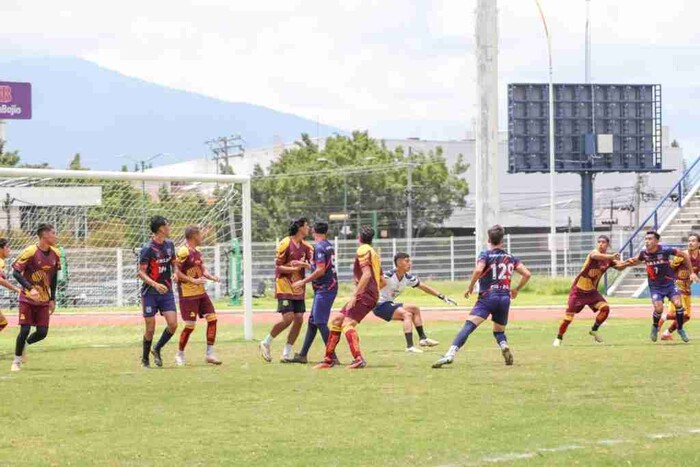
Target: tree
{"points": [[309, 181], [8, 159], [76, 164]]}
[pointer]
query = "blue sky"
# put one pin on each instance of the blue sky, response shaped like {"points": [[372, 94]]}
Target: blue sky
{"points": [[394, 67]]}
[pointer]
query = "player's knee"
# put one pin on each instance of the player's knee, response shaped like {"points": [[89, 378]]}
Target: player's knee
{"points": [[287, 318], [605, 309], [298, 318], [211, 317], [172, 327], [190, 325], [568, 317], [41, 332]]}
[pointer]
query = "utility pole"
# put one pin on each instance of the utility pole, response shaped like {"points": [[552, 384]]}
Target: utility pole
{"points": [[638, 198], [225, 147], [487, 202]]}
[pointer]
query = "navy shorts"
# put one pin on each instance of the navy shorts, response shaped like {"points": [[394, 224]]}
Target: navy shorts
{"points": [[658, 293], [496, 305], [157, 303], [285, 305], [321, 307], [386, 310]]}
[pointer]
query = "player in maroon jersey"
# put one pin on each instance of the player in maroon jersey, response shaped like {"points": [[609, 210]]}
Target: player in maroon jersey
{"points": [[36, 270], [194, 301], [584, 291], [684, 284]]}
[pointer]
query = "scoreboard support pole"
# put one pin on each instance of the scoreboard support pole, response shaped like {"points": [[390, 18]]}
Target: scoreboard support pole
{"points": [[587, 201]]}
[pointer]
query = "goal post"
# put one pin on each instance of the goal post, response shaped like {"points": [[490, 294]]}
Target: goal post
{"points": [[101, 218]]}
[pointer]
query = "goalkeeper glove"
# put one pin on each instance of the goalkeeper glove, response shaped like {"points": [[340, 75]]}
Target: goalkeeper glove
{"points": [[447, 299]]}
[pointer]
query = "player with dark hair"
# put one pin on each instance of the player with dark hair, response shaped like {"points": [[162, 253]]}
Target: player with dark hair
{"points": [[683, 284], [192, 277], [36, 270], [494, 269], [395, 281], [157, 268], [4, 254], [584, 290], [293, 258], [324, 280], [368, 272], [662, 280]]}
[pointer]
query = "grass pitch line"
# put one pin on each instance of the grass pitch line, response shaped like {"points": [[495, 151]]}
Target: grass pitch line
{"points": [[508, 457]]}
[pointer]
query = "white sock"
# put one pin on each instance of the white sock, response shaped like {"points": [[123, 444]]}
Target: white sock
{"points": [[17, 359], [503, 345], [287, 349], [268, 340], [181, 352], [210, 349], [452, 351]]}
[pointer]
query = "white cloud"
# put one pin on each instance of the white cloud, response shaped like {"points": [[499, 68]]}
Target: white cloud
{"points": [[359, 64]]}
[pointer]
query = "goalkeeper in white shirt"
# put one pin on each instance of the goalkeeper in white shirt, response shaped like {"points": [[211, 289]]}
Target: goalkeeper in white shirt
{"points": [[394, 282]]}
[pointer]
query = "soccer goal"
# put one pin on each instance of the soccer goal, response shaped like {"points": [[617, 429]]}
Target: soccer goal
{"points": [[102, 219]]}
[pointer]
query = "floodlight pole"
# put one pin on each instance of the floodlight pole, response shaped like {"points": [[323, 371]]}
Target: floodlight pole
{"points": [[587, 176], [552, 171]]}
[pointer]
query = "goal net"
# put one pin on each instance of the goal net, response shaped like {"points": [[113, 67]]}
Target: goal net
{"points": [[102, 220]]}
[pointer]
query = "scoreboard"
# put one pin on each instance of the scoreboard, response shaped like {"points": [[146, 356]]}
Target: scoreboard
{"points": [[597, 127]]}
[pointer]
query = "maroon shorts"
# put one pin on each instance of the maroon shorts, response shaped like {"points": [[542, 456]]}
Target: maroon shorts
{"points": [[193, 307], [579, 300], [363, 306], [34, 315]]}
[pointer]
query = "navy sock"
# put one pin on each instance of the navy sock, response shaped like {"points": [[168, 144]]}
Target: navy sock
{"points": [[500, 338], [421, 332], [409, 339], [655, 319], [164, 338], [309, 338], [680, 314], [323, 329], [461, 337], [146, 349]]}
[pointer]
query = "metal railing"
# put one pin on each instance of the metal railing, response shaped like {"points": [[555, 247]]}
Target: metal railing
{"points": [[664, 209]]}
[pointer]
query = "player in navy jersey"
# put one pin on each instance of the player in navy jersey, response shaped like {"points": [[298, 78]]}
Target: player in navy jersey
{"points": [[324, 281], [662, 279], [157, 263], [494, 269]]}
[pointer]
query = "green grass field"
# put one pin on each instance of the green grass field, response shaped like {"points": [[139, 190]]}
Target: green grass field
{"points": [[82, 399]]}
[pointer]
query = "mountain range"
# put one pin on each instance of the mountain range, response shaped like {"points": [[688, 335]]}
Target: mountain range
{"points": [[112, 119]]}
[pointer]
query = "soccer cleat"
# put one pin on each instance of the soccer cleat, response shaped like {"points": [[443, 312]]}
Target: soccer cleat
{"points": [[596, 336], [16, 366], [357, 364], [265, 352], [654, 333], [145, 363], [180, 358], [212, 359], [286, 359], [557, 342], [683, 334], [666, 336], [507, 355], [324, 365], [428, 342], [336, 360], [298, 358], [156, 357], [445, 360], [413, 349]]}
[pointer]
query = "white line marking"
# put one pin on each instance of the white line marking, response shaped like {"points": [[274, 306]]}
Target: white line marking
{"points": [[694, 431], [662, 435], [561, 448], [611, 442], [508, 457]]}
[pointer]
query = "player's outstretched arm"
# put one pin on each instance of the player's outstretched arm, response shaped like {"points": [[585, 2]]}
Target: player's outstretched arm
{"points": [[9, 285], [597, 255], [429, 290], [318, 272], [525, 275]]}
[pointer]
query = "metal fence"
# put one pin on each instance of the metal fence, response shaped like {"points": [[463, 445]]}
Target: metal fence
{"points": [[106, 277]]}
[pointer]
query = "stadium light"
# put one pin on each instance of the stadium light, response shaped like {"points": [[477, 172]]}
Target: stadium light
{"points": [[552, 173]]}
